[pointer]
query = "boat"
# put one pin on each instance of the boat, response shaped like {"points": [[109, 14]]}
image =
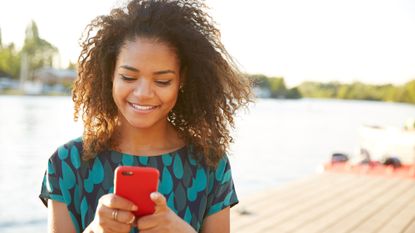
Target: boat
{"points": [[380, 143], [384, 150], [373, 168]]}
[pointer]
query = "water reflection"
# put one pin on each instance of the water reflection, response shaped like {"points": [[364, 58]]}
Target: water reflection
{"points": [[30, 127]]}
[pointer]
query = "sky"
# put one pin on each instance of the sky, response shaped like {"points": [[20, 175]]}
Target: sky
{"points": [[371, 41]]}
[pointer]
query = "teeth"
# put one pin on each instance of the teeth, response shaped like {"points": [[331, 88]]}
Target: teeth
{"points": [[142, 107]]}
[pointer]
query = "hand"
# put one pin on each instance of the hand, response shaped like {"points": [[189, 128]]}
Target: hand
{"points": [[163, 220], [113, 214]]}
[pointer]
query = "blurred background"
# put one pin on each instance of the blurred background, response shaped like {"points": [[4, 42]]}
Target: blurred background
{"points": [[330, 77]]}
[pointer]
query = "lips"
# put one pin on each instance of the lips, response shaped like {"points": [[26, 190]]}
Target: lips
{"points": [[143, 108]]}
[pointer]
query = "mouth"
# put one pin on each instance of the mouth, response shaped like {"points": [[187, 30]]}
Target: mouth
{"points": [[143, 108]]}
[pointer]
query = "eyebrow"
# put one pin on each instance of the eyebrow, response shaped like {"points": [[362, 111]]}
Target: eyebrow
{"points": [[164, 72], [130, 68]]}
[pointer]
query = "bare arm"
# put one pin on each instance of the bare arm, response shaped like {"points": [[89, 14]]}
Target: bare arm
{"points": [[218, 222], [60, 221], [58, 218]]}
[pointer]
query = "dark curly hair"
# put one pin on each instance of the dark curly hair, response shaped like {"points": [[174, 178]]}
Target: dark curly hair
{"points": [[213, 87]]}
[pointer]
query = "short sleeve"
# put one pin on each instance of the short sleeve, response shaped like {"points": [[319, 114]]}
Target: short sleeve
{"points": [[50, 186], [61, 182], [221, 188]]}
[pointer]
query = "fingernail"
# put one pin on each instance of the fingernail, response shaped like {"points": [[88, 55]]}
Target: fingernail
{"points": [[134, 207], [132, 220], [154, 195]]}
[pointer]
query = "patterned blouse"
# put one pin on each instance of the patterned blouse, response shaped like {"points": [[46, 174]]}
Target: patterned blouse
{"points": [[192, 190]]}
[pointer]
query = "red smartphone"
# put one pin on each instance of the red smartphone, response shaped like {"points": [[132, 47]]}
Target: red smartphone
{"points": [[136, 184]]}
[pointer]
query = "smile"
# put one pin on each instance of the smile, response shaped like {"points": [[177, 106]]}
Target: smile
{"points": [[143, 108]]}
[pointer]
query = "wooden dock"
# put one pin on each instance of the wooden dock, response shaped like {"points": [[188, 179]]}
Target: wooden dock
{"points": [[330, 203]]}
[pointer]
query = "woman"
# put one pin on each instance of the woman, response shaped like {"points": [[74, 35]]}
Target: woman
{"points": [[155, 88]]}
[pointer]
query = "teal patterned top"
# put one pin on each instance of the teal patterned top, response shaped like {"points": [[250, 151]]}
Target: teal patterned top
{"points": [[193, 191]]}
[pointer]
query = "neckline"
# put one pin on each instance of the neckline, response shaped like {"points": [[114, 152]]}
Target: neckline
{"points": [[149, 156]]}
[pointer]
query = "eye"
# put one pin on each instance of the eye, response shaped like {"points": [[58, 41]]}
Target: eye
{"points": [[125, 78], [163, 83]]}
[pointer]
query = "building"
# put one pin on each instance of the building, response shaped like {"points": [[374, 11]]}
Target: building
{"points": [[50, 80]]}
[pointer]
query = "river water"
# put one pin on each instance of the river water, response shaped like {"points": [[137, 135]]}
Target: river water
{"points": [[276, 141]]}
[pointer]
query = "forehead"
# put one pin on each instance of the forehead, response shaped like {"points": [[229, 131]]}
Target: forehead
{"points": [[147, 50]]}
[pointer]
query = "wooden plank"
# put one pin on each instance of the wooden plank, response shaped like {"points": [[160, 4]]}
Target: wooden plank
{"points": [[266, 208], [312, 197], [337, 203], [285, 189], [411, 227], [401, 212], [248, 208], [332, 209], [374, 205], [256, 206], [387, 208]]}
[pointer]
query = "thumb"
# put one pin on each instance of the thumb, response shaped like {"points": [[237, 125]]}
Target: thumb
{"points": [[160, 201]]}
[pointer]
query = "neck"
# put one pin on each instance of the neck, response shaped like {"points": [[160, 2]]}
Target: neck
{"points": [[158, 139]]}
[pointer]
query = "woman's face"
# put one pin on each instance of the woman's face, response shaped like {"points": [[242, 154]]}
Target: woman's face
{"points": [[145, 83]]}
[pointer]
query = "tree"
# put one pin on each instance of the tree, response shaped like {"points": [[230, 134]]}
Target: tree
{"points": [[1, 42], [10, 60], [319, 90], [343, 91], [293, 93], [40, 52], [260, 80], [278, 88], [71, 66], [407, 93]]}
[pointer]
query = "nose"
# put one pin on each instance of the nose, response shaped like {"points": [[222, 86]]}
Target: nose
{"points": [[143, 89]]}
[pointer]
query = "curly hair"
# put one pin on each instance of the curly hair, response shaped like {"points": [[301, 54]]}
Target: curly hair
{"points": [[213, 87]]}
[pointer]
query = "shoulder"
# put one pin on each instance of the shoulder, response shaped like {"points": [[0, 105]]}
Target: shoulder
{"points": [[223, 170], [68, 154], [197, 158], [75, 146], [220, 173]]}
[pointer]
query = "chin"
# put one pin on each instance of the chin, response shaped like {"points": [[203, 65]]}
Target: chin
{"points": [[144, 121], [141, 125], [144, 124]]}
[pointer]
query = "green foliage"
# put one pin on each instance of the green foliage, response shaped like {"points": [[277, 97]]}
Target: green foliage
{"points": [[407, 93], [294, 93], [39, 51], [10, 60], [360, 91], [275, 86], [319, 90], [259, 80], [71, 66]]}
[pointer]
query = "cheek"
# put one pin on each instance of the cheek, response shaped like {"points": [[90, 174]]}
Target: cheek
{"points": [[119, 88], [117, 92], [170, 97]]}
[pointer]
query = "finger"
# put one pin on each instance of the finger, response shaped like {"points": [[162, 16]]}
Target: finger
{"points": [[116, 202], [114, 226], [160, 201], [146, 222], [122, 216]]}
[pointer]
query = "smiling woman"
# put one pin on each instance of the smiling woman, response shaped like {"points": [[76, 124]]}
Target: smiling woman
{"points": [[146, 84], [156, 88]]}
